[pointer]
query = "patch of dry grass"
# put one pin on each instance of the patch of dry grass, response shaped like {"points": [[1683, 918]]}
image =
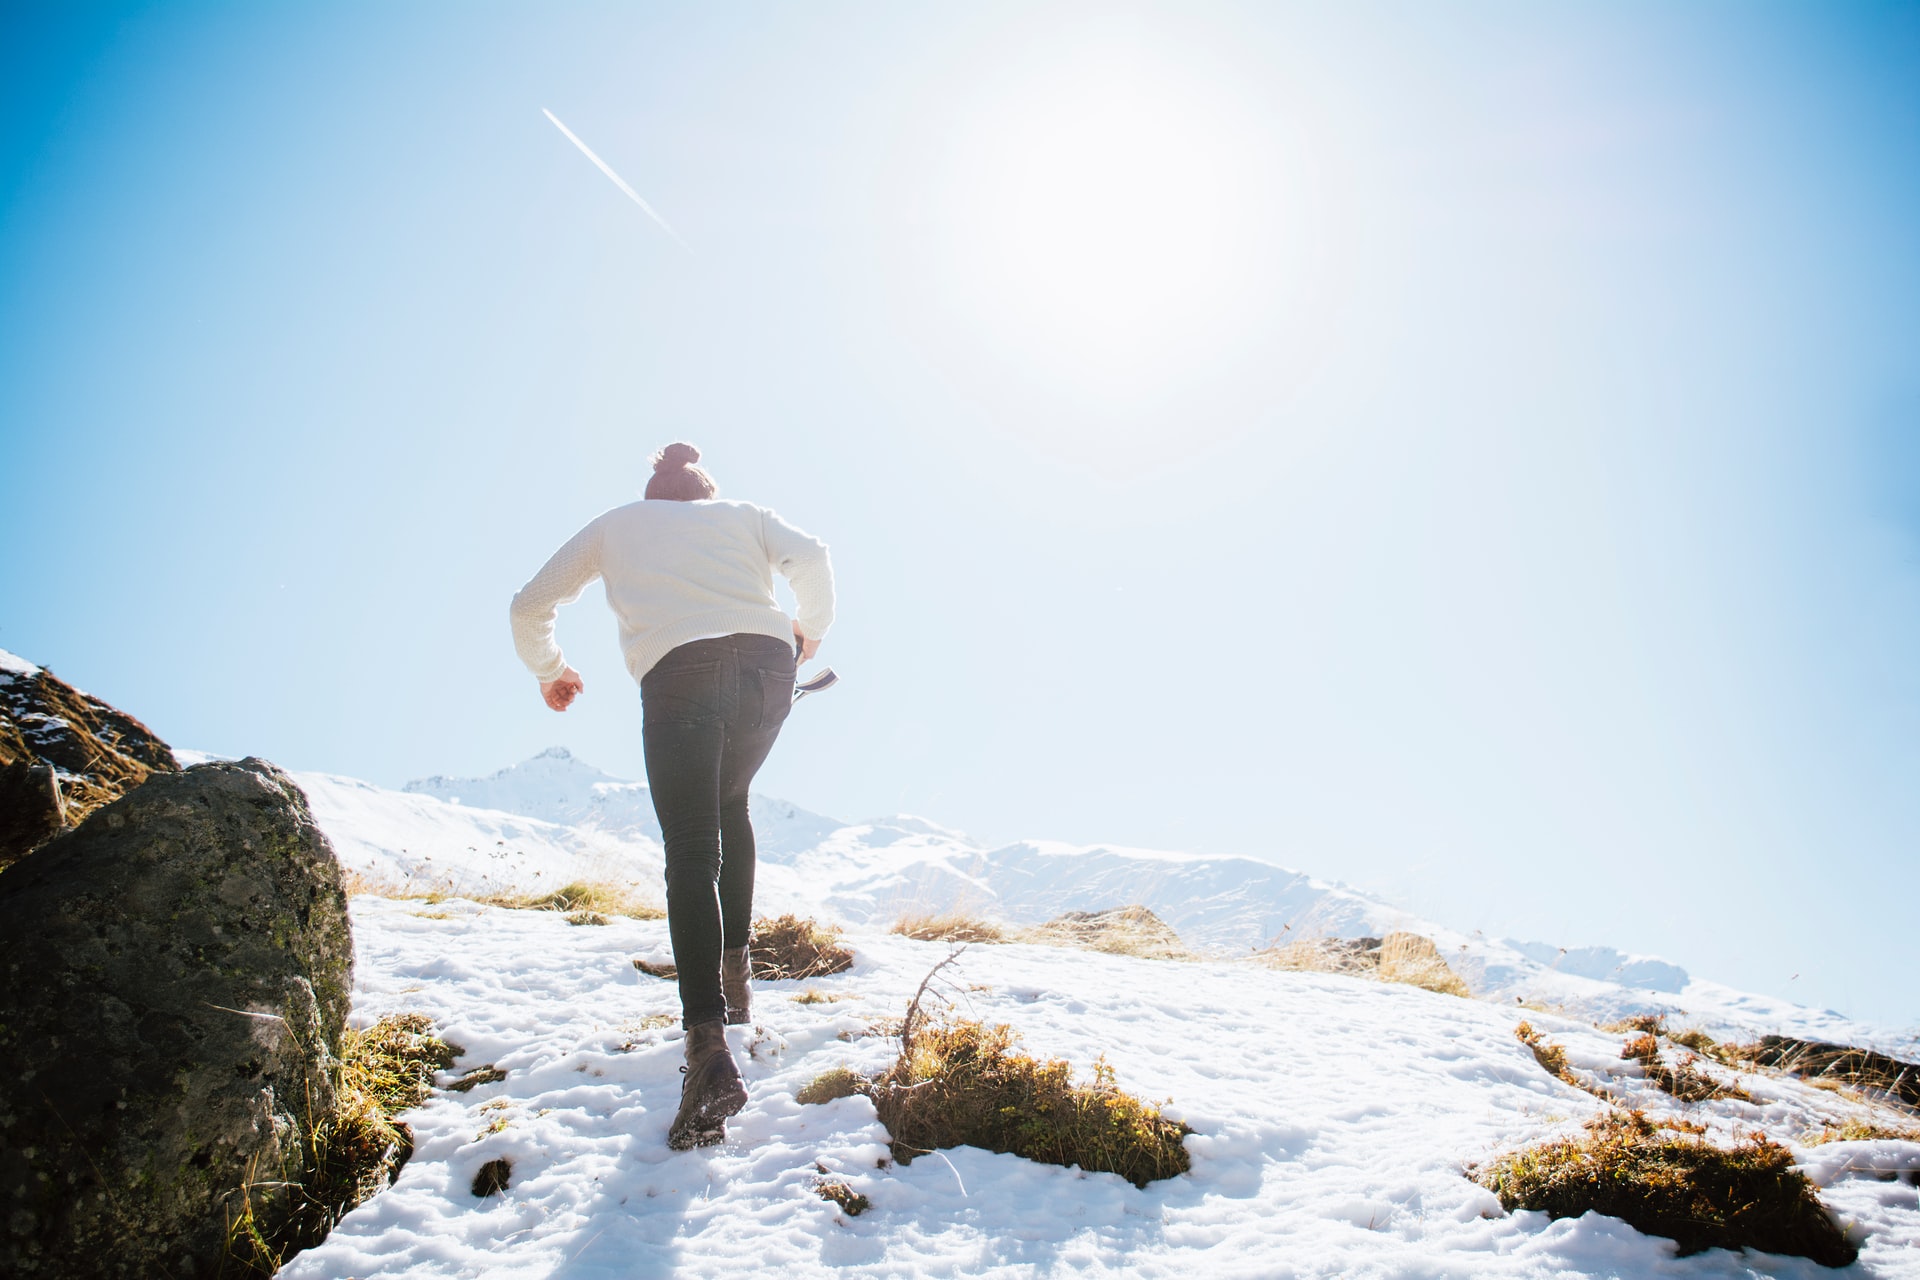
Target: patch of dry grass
{"points": [[842, 1194], [1414, 960], [1681, 1080], [348, 1157], [585, 898], [471, 1080], [1830, 1065], [1355, 957], [966, 1084], [416, 886], [1699, 1042], [794, 947], [495, 1176], [1861, 1131], [1639, 1023], [582, 901], [837, 1082], [1549, 1055], [1675, 1185], [1121, 931], [951, 926], [1408, 958]]}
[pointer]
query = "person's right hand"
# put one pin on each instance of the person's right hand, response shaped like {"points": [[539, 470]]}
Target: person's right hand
{"points": [[808, 647], [560, 691]]}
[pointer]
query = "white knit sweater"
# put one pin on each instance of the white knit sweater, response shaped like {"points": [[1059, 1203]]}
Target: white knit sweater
{"points": [[677, 571]]}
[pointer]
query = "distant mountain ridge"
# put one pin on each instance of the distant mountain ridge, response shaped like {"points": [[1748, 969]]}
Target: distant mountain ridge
{"points": [[554, 818]]}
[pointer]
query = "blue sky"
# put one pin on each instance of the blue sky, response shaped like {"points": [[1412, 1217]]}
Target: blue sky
{"points": [[1467, 451]]}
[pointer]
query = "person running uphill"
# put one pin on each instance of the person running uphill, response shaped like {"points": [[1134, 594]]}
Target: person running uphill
{"points": [[690, 578]]}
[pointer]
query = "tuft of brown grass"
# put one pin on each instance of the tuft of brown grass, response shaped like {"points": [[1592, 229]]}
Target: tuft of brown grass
{"points": [[813, 995], [795, 947], [471, 1080], [950, 926], [838, 1082], [1860, 1131], [1412, 959], [1699, 1042], [1674, 1185], [1548, 1054], [1831, 1065], [494, 1177], [1681, 1080], [1121, 931], [656, 969], [350, 1156], [588, 897], [591, 900], [1654, 1024], [418, 886], [966, 1084], [1354, 957], [1409, 958], [842, 1194]]}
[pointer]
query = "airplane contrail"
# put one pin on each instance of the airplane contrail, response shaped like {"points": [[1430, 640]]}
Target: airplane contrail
{"points": [[618, 181]]}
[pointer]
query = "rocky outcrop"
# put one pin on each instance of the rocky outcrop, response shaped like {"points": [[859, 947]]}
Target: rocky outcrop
{"points": [[174, 979], [63, 754]]}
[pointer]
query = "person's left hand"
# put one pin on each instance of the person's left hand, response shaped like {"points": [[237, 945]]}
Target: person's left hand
{"points": [[560, 691], [808, 647]]}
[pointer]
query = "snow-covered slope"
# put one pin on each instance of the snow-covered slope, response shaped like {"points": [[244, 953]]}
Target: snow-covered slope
{"points": [[555, 818], [1333, 1120]]}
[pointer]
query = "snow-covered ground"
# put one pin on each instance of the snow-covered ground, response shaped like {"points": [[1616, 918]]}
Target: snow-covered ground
{"points": [[1332, 1117]]}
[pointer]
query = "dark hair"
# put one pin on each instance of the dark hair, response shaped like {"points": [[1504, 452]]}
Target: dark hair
{"points": [[676, 478]]}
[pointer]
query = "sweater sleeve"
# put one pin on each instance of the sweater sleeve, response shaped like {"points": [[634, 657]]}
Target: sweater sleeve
{"points": [[802, 561], [560, 581]]}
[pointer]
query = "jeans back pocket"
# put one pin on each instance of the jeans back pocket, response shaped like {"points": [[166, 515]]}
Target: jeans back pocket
{"points": [[776, 696], [682, 693]]}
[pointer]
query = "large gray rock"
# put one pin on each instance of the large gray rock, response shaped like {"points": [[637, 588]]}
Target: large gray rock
{"points": [[174, 978]]}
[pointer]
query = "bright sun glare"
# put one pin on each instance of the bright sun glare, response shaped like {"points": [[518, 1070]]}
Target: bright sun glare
{"points": [[1109, 224]]}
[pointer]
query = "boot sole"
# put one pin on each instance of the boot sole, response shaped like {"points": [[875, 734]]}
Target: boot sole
{"points": [[689, 1138], [708, 1126]]}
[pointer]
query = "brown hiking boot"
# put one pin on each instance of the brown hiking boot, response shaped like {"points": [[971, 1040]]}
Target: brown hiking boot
{"points": [[736, 970], [711, 1092]]}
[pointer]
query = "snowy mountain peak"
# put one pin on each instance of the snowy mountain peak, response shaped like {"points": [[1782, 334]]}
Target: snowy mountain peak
{"points": [[557, 786]]}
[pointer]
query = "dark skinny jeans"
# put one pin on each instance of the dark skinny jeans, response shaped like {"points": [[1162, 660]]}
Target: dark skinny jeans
{"points": [[711, 710]]}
